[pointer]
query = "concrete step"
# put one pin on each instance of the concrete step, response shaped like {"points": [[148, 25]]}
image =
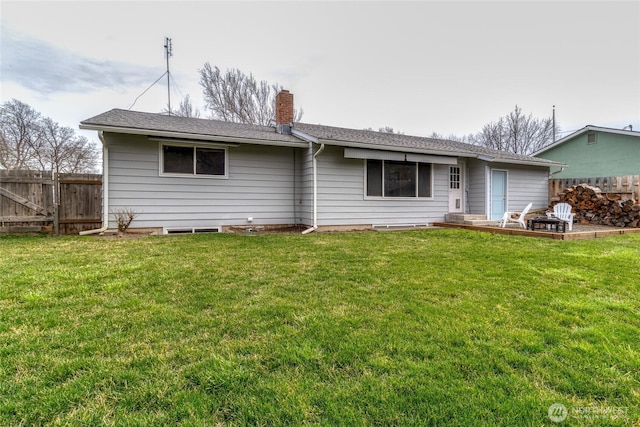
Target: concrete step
{"points": [[468, 219], [457, 217], [481, 222]]}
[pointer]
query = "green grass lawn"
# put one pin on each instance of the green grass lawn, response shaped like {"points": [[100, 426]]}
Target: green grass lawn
{"points": [[432, 327]]}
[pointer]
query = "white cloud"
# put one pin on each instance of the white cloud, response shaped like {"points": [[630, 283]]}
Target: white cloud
{"points": [[48, 69]]}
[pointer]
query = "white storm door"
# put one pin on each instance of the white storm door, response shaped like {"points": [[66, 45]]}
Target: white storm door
{"points": [[498, 194], [455, 189]]}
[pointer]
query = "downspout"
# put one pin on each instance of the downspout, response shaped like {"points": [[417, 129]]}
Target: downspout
{"points": [[105, 189], [315, 191]]}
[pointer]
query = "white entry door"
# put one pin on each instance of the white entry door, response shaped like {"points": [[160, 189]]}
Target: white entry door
{"points": [[498, 194], [455, 189]]}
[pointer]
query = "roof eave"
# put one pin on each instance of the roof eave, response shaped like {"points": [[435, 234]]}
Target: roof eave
{"points": [[189, 136], [545, 164], [392, 148], [583, 130]]}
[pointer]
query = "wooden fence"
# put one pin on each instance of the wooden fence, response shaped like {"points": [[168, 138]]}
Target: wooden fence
{"points": [[79, 203], [629, 184], [43, 201]]}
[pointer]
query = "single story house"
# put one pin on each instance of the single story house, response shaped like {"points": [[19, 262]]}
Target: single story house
{"points": [[185, 174], [594, 151]]}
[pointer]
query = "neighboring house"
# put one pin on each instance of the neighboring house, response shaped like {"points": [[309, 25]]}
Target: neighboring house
{"points": [[182, 174], [595, 152]]}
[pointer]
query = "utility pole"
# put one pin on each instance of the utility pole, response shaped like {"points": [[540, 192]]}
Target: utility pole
{"points": [[168, 52], [554, 123]]}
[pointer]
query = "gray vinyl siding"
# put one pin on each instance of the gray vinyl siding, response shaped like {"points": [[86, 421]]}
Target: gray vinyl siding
{"points": [[260, 184], [274, 186], [342, 201], [526, 184], [477, 185], [304, 187]]}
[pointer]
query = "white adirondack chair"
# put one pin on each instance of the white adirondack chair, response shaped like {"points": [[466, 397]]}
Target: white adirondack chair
{"points": [[562, 211], [507, 217]]}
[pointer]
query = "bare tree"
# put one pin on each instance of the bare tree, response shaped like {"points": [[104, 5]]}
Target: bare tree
{"points": [[389, 129], [19, 135], [451, 137], [185, 109], [83, 156], [516, 133], [30, 141], [385, 129], [237, 97]]}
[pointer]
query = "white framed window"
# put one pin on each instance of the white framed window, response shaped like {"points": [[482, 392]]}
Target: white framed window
{"points": [[396, 179], [592, 138], [193, 160], [454, 177]]}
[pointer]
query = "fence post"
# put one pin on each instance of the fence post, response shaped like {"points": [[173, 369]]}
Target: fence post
{"points": [[56, 203]]}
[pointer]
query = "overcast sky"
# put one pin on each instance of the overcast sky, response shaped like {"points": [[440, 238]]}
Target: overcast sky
{"points": [[419, 67]]}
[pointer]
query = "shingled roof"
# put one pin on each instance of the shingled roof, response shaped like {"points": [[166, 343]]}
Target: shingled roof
{"points": [[381, 140], [155, 124]]}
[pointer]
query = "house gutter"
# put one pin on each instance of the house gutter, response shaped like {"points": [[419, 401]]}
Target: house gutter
{"points": [[105, 189], [190, 137], [315, 191], [403, 149], [540, 162]]}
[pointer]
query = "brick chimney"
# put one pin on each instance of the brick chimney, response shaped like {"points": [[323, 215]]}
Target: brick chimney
{"points": [[284, 111]]}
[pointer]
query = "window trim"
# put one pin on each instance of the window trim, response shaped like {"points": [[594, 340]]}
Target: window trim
{"points": [[383, 197], [161, 171]]}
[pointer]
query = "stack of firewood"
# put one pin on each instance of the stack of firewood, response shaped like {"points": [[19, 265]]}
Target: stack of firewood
{"points": [[592, 206]]}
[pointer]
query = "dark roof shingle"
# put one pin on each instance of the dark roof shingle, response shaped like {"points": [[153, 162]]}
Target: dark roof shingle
{"points": [[117, 118], [385, 140]]}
